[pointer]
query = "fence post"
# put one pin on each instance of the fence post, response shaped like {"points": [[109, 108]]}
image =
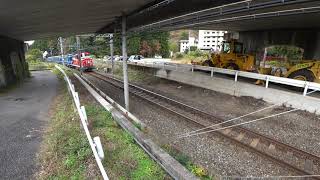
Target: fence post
{"points": [[267, 82], [99, 148], [84, 113], [236, 76], [306, 87], [211, 71]]}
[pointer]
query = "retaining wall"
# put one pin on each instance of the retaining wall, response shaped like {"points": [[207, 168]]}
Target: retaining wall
{"points": [[227, 86]]}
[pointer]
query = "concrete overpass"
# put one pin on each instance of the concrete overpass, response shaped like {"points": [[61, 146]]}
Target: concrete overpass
{"points": [[27, 20]]}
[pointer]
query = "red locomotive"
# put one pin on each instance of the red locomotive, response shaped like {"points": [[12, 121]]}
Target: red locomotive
{"points": [[86, 62]]}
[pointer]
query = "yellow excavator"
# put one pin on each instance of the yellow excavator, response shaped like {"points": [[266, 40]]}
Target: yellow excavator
{"points": [[232, 56], [305, 70]]}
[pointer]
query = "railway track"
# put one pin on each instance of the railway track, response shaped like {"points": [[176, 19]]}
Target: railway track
{"points": [[285, 155]]}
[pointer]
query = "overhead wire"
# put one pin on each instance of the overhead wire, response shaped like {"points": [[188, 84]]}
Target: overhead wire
{"points": [[234, 119]]}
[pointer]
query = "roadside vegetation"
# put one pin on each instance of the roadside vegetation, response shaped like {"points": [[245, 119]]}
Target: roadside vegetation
{"points": [[35, 61], [135, 75], [186, 162], [66, 154], [124, 158], [187, 57], [138, 76]]}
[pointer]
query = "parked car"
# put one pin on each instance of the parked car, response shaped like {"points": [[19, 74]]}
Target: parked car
{"points": [[135, 58]]}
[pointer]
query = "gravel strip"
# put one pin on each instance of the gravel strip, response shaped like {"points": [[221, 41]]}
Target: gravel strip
{"points": [[300, 129], [217, 155]]}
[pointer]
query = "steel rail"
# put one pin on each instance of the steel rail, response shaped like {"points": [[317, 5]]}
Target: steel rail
{"points": [[279, 144]]}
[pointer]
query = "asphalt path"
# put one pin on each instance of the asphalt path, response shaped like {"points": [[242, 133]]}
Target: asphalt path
{"points": [[23, 118]]}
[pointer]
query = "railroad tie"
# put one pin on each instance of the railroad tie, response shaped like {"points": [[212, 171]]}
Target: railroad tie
{"points": [[254, 142], [226, 131], [272, 147], [240, 136], [308, 165]]}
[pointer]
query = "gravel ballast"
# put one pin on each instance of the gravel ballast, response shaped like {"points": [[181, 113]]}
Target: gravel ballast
{"points": [[217, 155]]}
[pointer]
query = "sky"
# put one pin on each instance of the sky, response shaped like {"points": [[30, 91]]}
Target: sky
{"points": [[29, 42]]}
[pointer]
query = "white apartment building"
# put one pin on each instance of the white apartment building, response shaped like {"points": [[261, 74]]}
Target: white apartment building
{"points": [[210, 39], [186, 44]]}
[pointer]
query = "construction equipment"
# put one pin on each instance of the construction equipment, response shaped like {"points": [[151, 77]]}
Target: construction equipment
{"points": [[305, 70], [231, 56]]}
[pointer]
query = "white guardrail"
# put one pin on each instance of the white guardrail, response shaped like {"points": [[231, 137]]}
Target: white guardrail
{"points": [[95, 144], [268, 78]]}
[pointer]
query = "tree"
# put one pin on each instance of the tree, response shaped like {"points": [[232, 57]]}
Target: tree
{"points": [[145, 49], [134, 44], [184, 35], [34, 55], [173, 47]]}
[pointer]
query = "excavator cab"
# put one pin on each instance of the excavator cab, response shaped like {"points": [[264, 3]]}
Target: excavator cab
{"points": [[232, 56], [229, 47]]}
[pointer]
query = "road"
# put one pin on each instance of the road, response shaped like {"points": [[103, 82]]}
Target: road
{"points": [[23, 118]]}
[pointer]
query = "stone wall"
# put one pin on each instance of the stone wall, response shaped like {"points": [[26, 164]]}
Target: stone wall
{"points": [[13, 67]]}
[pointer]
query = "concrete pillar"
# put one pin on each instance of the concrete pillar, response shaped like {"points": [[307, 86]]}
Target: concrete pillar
{"points": [[2, 75], [125, 67], [13, 66], [79, 52], [61, 49], [111, 53]]}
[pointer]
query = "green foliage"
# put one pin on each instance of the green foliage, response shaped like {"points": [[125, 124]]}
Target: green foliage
{"points": [[126, 160], [173, 46], [193, 48], [65, 149], [134, 44], [34, 55], [178, 56], [48, 44], [184, 35], [289, 52], [148, 43], [186, 161]]}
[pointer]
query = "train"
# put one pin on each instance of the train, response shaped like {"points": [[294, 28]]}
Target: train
{"points": [[72, 61]]}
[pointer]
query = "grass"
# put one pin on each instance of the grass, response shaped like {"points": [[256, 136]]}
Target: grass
{"points": [[65, 151], [186, 162], [39, 65], [66, 154], [195, 56], [124, 158], [134, 75]]}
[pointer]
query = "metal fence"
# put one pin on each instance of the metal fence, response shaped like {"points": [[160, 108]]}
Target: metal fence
{"points": [[267, 78], [95, 143]]}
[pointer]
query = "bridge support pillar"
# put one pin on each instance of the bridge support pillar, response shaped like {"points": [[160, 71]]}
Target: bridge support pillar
{"points": [[111, 53], [13, 66], [125, 67]]}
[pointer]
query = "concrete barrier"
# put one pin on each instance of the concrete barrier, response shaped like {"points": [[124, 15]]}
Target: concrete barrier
{"points": [[275, 96]]}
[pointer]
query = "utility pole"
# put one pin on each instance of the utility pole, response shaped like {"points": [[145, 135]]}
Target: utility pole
{"points": [[125, 68], [61, 49], [79, 53], [111, 53]]}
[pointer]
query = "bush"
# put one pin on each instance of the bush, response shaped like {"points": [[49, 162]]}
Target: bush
{"points": [[193, 48], [178, 56], [34, 55]]}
